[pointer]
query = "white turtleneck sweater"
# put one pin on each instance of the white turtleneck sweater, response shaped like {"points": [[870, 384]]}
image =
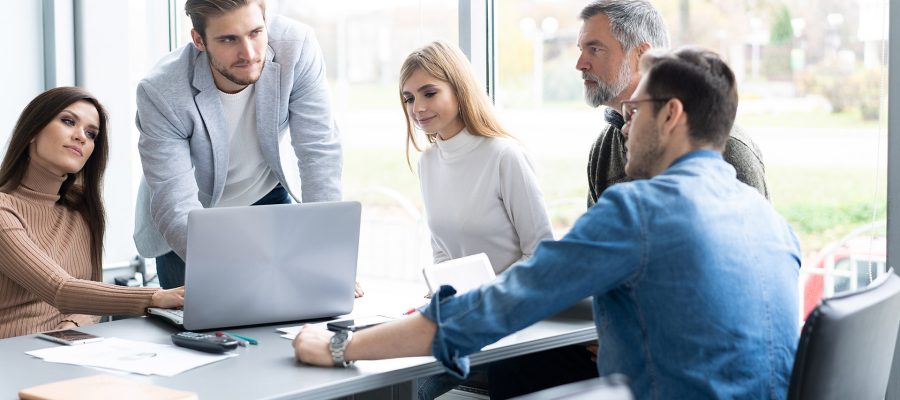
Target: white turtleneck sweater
{"points": [[481, 195]]}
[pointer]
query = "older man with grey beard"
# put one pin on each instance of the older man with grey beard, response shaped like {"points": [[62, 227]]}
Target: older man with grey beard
{"points": [[613, 36]]}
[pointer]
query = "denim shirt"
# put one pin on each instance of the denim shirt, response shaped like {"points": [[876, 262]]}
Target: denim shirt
{"points": [[694, 278]]}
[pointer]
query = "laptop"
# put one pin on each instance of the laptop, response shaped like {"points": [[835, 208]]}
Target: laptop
{"points": [[267, 264]]}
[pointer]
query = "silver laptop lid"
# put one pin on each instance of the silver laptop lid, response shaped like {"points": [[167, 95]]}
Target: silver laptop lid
{"points": [[267, 264]]}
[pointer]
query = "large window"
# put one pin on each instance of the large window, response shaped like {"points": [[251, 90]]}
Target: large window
{"points": [[364, 44], [812, 94], [812, 88], [812, 85]]}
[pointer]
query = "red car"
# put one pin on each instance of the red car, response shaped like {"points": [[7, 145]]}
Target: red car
{"points": [[842, 266]]}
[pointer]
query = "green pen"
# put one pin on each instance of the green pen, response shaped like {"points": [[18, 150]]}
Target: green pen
{"points": [[247, 338]]}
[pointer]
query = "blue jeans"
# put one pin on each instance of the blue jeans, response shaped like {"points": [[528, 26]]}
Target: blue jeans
{"points": [[170, 267]]}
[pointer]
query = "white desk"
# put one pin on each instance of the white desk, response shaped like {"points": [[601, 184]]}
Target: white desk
{"points": [[269, 369]]}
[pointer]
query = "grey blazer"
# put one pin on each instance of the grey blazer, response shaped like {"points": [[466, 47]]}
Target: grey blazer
{"points": [[184, 144]]}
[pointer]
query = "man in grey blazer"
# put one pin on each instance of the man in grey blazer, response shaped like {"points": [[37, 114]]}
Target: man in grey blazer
{"points": [[212, 115]]}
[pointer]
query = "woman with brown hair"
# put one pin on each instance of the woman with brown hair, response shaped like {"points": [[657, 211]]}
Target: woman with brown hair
{"points": [[52, 220]]}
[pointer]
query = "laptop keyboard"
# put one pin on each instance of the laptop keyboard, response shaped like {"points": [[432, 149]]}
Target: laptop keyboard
{"points": [[177, 313], [175, 317]]}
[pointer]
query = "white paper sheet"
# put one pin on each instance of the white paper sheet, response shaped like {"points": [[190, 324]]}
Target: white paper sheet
{"points": [[132, 356], [291, 332]]}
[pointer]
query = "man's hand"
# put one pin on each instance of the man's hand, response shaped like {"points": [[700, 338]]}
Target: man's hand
{"points": [[169, 298], [357, 291], [311, 346], [593, 348]]}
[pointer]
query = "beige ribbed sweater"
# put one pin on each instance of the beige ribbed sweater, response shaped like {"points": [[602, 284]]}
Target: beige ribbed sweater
{"points": [[45, 263]]}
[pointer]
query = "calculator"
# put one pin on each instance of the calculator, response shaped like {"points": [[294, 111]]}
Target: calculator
{"points": [[204, 342]]}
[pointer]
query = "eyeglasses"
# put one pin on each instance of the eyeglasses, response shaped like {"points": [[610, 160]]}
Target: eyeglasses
{"points": [[629, 108]]}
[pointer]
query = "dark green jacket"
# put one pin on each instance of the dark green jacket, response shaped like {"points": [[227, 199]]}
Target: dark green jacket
{"points": [[606, 165]]}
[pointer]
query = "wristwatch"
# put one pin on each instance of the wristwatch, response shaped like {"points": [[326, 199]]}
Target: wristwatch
{"points": [[338, 344]]}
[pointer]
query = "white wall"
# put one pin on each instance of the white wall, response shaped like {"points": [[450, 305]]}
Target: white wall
{"points": [[24, 69], [117, 43]]}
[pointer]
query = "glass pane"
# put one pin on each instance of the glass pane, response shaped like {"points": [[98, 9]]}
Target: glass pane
{"points": [[364, 44], [812, 94]]}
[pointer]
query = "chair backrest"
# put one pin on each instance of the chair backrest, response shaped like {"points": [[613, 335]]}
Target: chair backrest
{"points": [[847, 344]]}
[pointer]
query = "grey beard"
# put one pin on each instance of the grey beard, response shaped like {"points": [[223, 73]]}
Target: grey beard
{"points": [[599, 95], [604, 93]]}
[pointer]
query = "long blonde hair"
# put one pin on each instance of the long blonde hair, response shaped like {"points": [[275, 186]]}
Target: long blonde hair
{"points": [[448, 64]]}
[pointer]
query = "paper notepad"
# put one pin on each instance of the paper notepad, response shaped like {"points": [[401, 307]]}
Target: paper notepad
{"points": [[464, 273], [132, 356], [102, 387]]}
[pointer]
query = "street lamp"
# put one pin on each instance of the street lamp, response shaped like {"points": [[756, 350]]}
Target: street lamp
{"points": [[549, 25], [798, 52], [835, 20]]}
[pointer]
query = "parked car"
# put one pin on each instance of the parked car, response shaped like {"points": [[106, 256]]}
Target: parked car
{"points": [[848, 264]]}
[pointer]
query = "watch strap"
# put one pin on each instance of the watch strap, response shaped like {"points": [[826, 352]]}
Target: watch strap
{"points": [[337, 346]]}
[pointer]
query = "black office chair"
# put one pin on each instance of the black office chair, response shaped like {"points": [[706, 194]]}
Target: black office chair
{"points": [[847, 344]]}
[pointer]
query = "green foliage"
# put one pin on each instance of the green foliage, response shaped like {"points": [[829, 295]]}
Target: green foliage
{"points": [[823, 204], [806, 119], [812, 218], [869, 84], [845, 88], [782, 32]]}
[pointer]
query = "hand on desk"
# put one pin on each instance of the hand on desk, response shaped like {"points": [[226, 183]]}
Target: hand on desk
{"points": [[311, 346], [404, 337], [358, 292], [168, 298]]}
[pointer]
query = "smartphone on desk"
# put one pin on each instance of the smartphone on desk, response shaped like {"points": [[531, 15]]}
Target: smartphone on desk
{"points": [[69, 337], [356, 324]]}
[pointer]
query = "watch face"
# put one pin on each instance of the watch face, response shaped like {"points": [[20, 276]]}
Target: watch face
{"points": [[339, 340], [337, 346]]}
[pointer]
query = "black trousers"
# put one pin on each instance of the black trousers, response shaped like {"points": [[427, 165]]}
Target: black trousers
{"points": [[538, 371]]}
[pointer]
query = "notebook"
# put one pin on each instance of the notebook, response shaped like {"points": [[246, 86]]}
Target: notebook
{"points": [[100, 387], [464, 273], [268, 264]]}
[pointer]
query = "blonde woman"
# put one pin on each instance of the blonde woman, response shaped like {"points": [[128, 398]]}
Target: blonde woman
{"points": [[478, 186]]}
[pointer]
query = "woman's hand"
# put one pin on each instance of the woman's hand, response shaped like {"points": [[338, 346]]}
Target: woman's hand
{"points": [[357, 291], [65, 325], [168, 298]]}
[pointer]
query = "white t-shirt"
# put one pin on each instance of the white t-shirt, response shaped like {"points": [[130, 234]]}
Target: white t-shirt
{"points": [[481, 195], [249, 177]]}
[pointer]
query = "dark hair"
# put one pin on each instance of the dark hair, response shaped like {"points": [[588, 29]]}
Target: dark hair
{"points": [[201, 10], [632, 22], [704, 84], [80, 191]]}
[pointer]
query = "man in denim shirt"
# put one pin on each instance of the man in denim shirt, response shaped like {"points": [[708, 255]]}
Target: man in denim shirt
{"points": [[694, 274]]}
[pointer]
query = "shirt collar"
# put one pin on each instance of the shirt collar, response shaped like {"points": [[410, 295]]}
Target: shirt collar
{"points": [[697, 154]]}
